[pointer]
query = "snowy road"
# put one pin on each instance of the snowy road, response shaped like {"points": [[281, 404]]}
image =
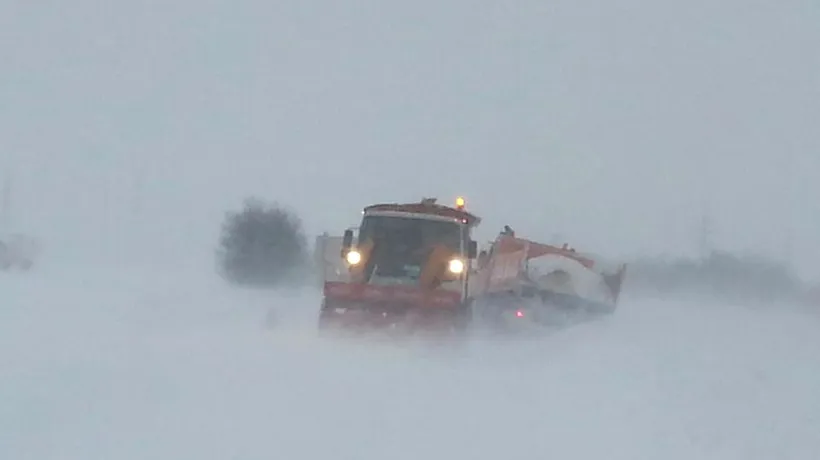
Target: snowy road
{"points": [[137, 365]]}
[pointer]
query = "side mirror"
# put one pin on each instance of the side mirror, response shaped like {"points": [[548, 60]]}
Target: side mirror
{"points": [[472, 250], [347, 242]]}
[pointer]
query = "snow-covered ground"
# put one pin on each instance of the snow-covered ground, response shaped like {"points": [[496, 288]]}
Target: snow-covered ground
{"points": [[161, 364]]}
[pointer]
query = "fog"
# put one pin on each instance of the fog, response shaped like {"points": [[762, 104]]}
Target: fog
{"points": [[134, 364], [127, 130], [617, 126]]}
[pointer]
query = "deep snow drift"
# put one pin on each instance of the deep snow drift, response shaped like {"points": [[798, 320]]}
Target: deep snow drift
{"points": [[138, 364]]}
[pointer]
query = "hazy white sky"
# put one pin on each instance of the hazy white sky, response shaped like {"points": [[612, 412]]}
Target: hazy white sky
{"points": [[614, 123]]}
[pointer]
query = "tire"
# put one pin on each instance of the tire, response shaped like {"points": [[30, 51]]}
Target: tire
{"points": [[463, 317]]}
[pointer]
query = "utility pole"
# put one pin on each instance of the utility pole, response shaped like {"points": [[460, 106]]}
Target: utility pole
{"points": [[705, 233], [792, 169], [137, 191], [5, 211]]}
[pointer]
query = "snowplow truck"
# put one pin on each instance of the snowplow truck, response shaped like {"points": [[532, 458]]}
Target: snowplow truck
{"points": [[520, 283], [406, 268]]}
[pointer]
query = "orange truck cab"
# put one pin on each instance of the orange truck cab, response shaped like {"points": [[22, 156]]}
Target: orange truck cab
{"points": [[409, 266]]}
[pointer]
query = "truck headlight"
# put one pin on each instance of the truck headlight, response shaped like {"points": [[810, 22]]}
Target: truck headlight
{"points": [[456, 266], [353, 257]]}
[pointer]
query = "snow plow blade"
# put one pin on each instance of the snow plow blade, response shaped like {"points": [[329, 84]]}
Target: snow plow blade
{"points": [[522, 283], [361, 309]]}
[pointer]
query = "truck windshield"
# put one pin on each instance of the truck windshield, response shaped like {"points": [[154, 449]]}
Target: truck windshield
{"points": [[402, 245], [411, 233]]}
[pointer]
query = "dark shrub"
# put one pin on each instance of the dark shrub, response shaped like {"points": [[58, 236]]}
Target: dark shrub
{"points": [[262, 245]]}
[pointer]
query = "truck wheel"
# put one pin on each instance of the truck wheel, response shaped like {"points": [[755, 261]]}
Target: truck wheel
{"points": [[463, 317], [323, 323]]}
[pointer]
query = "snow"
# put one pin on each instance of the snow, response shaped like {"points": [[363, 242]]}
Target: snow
{"points": [[582, 281], [131, 363]]}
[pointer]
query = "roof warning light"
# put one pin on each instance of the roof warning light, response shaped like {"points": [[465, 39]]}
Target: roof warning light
{"points": [[460, 202]]}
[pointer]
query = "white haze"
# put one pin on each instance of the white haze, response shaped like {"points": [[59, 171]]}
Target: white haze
{"points": [[128, 128], [172, 364], [131, 127]]}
